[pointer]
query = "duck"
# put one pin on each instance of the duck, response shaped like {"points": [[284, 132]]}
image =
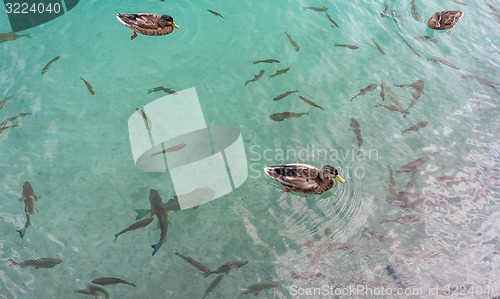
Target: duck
{"points": [[148, 23], [304, 178], [445, 19]]}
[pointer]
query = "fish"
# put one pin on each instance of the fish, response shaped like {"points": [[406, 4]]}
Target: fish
{"points": [[391, 95], [13, 118], [215, 13], [311, 276], [357, 131], [416, 127], [212, 285], [444, 62], [481, 80], [202, 268], [171, 205], [145, 117], [9, 36], [44, 262], [392, 189], [326, 249], [279, 72], [161, 88], [139, 224], [427, 38], [331, 20], [283, 95], [112, 280], [49, 64], [93, 290], [404, 219], [353, 47], [226, 268], [447, 180], [414, 12], [418, 91], [365, 90], [293, 42], [381, 238], [415, 163], [311, 102], [378, 47], [280, 116], [161, 213], [407, 200], [266, 61], [392, 273], [4, 101], [412, 49], [89, 87], [28, 196], [171, 149], [382, 90], [256, 77], [3, 128], [395, 109], [323, 8], [459, 2], [257, 288]]}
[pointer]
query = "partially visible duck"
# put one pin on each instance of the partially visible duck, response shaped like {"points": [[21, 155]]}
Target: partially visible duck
{"points": [[445, 19]]}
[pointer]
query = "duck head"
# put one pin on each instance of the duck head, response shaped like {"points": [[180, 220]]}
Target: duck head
{"points": [[328, 172], [167, 20]]}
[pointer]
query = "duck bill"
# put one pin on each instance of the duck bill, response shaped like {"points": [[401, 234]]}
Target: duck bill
{"points": [[339, 179], [175, 25]]}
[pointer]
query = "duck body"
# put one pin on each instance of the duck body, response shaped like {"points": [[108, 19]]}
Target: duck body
{"points": [[148, 23], [445, 19], [304, 178]]}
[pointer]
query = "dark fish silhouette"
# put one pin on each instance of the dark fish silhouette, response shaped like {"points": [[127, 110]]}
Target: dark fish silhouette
{"points": [[379, 48], [4, 101], [280, 116], [481, 80], [365, 90], [382, 90], [226, 268], [414, 176], [444, 62], [418, 91], [145, 117], [353, 47], [266, 61], [279, 72], [427, 38], [161, 88], [161, 213], [215, 13], [93, 290], [202, 268], [331, 20], [138, 224], [112, 280], [310, 102], [404, 219], [293, 42], [257, 288], [171, 205], [315, 8], [416, 127], [45, 262], [9, 36], [392, 273], [388, 93], [415, 164], [89, 87], [283, 95], [13, 118], [171, 149], [256, 77], [3, 128], [414, 12], [212, 285], [357, 131], [49, 64], [28, 197], [392, 189], [412, 49], [395, 109]]}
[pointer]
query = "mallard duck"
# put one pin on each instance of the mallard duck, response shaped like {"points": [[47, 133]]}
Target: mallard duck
{"points": [[147, 23], [445, 19], [304, 178]]}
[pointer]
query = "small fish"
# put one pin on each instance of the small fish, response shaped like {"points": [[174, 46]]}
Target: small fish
{"points": [[89, 87], [5, 37], [449, 180], [414, 176], [444, 62], [331, 20], [416, 127], [139, 224], [378, 47], [212, 285], [112, 280], [481, 80], [45, 262], [280, 116], [256, 77], [427, 38], [215, 13], [13, 118], [392, 273], [382, 90], [407, 200], [310, 102], [226, 268], [171, 205], [4, 101], [410, 218], [365, 90], [266, 61], [93, 290], [161, 213], [415, 164], [418, 91], [459, 2], [293, 42], [315, 8], [327, 248], [353, 47], [174, 148], [392, 189], [412, 49], [257, 288], [202, 268], [3, 128], [49, 64], [414, 12], [357, 131], [391, 95], [395, 109], [28, 197], [161, 88], [279, 72], [283, 95], [145, 117]]}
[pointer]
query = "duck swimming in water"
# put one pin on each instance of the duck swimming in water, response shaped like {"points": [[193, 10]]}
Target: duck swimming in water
{"points": [[445, 19], [304, 178], [147, 23]]}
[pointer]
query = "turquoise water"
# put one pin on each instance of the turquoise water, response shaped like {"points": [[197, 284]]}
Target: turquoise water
{"points": [[75, 151]]}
